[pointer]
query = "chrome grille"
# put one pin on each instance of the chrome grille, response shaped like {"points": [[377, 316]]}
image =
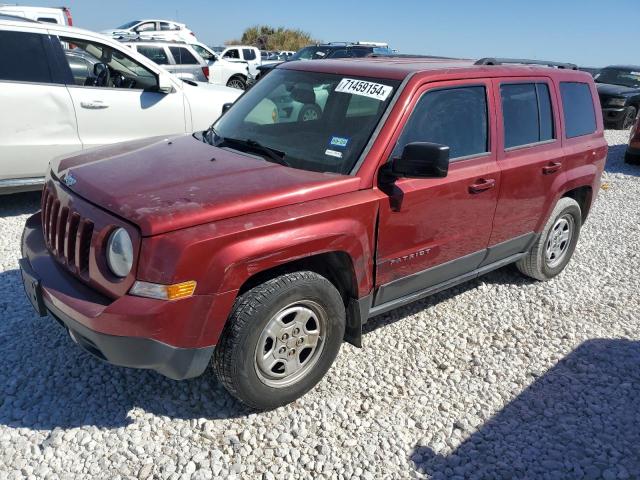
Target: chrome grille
{"points": [[66, 233]]}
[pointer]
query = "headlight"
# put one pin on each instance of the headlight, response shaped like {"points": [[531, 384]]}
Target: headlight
{"points": [[120, 252], [617, 102]]}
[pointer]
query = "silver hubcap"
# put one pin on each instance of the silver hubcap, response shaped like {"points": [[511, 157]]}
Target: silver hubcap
{"points": [[558, 240], [309, 114], [236, 84], [290, 344]]}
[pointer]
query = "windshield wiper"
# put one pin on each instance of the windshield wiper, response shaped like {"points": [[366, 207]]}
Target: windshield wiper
{"points": [[272, 154]]}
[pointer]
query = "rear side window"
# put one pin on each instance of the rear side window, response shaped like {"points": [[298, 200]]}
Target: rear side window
{"points": [[183, 56], [249, 54], [23, 57], [455, 117], [527, 114], [157, 54], [579, 114]]}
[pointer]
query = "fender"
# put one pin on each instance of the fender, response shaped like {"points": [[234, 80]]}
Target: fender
{"points": [[583, 176]]}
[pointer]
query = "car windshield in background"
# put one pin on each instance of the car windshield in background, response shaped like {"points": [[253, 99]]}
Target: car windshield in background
{"points": [[619, 76], [311, 53], [128, 25], [307, 120]]}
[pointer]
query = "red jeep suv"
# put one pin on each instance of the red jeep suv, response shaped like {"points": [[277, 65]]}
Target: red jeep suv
{"points": [[258, 246]]}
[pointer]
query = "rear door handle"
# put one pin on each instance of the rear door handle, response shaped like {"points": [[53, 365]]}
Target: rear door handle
{"points": [[553, 167], [482, 185], [94, 105]]}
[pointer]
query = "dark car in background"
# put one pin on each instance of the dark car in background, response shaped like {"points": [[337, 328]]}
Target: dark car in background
{"points": [[332, 50], [619, 91]]}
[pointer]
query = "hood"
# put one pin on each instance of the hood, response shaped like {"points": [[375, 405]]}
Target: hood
{"points": [[609, 89], [162, 184]]}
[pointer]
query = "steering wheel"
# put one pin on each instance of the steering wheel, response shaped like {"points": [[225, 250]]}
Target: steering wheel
{"points": [[104, 76]]}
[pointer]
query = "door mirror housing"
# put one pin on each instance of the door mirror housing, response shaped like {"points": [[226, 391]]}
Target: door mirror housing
{"points": [[421, 160], [225, 108], [164, 83]]}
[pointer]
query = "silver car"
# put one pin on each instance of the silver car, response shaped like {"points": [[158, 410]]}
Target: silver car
{"points": [[177, 57]]}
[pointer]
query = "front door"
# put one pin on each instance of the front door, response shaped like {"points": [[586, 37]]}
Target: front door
{"points": [[433, 230], [119, 105]]}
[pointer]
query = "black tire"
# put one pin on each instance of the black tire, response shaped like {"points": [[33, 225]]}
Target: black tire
{"points": [[629, 118], [309, 112], [235, 358], [536, 263], [237, 81]]}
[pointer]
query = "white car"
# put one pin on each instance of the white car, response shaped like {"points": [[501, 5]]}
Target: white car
{"points": [[152, 29], [222, 71], [66, 89], [59, 15], [244, 53]]}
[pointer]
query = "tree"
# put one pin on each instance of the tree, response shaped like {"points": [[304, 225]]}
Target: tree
{"points": [[266, 37]]}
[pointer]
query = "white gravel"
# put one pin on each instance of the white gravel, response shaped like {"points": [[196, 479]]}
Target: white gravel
{"points": [[499, 378]]}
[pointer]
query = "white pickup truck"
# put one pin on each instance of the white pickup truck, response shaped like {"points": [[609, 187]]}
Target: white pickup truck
{"points": [[245, 53], [80, 89]]}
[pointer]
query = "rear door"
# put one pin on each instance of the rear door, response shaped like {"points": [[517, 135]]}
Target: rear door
{"points": [[121, 110], [37, 119], [529, 155], [433, 230]]}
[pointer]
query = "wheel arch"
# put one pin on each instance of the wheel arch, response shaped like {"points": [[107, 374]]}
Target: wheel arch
{"points": [[584, 196]]}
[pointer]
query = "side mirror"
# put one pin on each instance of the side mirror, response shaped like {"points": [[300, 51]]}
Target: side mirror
{"points": [[421, 160], [226, 107], [164, 83]]}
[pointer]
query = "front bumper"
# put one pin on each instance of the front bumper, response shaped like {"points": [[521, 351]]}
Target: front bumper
{"points": [[117, 331]]}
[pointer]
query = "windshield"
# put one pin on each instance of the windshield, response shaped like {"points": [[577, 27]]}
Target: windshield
{"points": [[619, 76], [311, 53], [312, 121], [128, 25]]}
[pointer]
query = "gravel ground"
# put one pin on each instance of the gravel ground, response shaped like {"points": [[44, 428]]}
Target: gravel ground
{"points": [[499, 378]]}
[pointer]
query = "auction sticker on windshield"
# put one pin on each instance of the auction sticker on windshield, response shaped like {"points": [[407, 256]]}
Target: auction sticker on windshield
{"points": [[366, 89]]}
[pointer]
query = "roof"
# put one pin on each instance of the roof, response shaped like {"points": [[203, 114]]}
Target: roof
{"points": [[398, 68], [15, 18]]}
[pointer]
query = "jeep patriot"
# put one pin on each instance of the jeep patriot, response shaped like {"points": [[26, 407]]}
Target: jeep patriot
{"points": [[258, 246]]}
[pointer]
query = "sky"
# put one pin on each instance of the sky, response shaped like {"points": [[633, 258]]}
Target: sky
{"points": [[586, 32]]}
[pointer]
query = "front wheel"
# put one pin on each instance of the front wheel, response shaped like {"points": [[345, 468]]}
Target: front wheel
{"points": [[280, 340], [553, 250]]}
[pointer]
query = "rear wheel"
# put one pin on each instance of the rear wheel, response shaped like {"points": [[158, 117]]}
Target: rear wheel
{"points": [[553, 250], [238, 82], [280, 340]]}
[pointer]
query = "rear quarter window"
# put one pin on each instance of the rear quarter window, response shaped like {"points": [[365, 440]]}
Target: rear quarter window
{"points": [[183, 56], [23, 57], [579, 112]]}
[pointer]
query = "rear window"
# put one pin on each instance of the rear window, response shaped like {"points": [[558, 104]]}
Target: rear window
{"points": [[23, 57], [527, 114], [183, 56], [156, 54], [579, 113], [249, 54], [442, 115]]}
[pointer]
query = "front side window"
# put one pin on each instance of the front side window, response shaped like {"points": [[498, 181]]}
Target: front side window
{"points": [[249, 54], [579, 113], [306, 119], [233, 53], [182, 56], [526, 114], [624, 77], [455, 117], [146, 27], [156, 54], [23, 57], [109, 67]]}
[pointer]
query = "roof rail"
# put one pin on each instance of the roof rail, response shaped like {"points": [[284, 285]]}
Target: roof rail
{"points": [[524, 61], [409, 55]]}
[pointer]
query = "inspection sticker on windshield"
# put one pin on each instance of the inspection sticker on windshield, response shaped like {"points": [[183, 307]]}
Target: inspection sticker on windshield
{"points": [[366, 89], [340, 142]]}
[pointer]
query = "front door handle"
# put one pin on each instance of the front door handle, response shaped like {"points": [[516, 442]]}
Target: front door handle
{"points": [[482, 185], [553, 167], [94, 105]]}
